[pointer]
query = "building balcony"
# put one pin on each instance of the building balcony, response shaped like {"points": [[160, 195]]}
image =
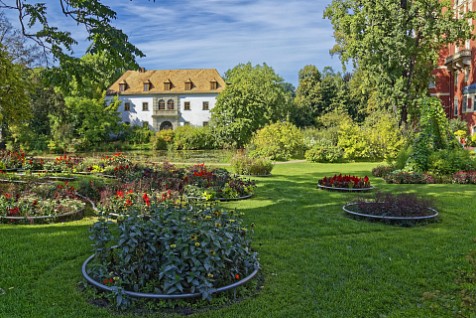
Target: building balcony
{"points": [[459, 60], [165, 113]]}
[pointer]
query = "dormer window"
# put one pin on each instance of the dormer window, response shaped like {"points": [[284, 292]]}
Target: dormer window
{"points": [[213, 85], [122, 86], [188, 85], [168, 85], [147, 86]]}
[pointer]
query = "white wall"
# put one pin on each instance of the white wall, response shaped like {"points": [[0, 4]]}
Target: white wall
{"points": [[196, 115]]}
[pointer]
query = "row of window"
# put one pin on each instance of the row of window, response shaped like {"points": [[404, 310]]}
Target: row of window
{"points": [[145, 123], [469, 104], [170, 105], [168, 85]]}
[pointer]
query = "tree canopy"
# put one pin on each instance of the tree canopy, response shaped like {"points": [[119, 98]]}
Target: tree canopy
{"points": [[253, 98], [93, 15], [395, 45]]}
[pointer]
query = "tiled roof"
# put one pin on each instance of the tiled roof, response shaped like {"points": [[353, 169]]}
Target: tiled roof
{"points": [[201, 79]]}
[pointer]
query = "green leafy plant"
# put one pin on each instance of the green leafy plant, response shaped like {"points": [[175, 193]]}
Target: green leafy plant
{"points": [[407, 177], [174, 250], [320, 153], [278, 141], [242, 164], [381, 171]]}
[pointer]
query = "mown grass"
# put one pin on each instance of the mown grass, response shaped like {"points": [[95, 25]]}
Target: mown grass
{"points": [[316, 261]]}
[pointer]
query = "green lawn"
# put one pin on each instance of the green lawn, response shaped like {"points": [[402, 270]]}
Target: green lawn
{"points": [[316, 261]]}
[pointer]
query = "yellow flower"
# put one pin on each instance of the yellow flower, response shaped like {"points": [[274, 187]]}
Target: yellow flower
{"points": [[210, 275], [208, 217], [197, 244], [173, 245]]}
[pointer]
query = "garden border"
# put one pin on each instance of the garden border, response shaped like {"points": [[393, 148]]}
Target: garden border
{"points": [[345, 189], [223, 199], [90, 280], [395, 218]]}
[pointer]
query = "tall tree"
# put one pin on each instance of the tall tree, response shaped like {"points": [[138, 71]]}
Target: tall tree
{"points": [[308, 98], [13, 93], [253, 98], [395, 44], [93, 15]]}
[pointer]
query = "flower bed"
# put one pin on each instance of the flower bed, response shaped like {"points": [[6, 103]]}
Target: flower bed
{"points": [[392, 207], [36, 203], [175, 252], [216, 184], [345, 183]]}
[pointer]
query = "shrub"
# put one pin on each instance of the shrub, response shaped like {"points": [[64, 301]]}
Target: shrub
{"points": [[325, 154], [464, 177], [173, 251], [352, 140], [405, 177], [384, 137], [12, 159], [163, 139], [449, 161], [245, 165], [381, 171], [193, 138], [434, 135], [278, 141]]}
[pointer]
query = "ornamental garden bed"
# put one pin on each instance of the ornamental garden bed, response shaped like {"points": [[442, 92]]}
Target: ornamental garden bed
{"points": [[345, 183], [182, 253], [401, 208], [39, 203]]}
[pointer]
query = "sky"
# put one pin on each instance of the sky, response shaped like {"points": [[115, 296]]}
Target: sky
{"points": [[182, 34]]}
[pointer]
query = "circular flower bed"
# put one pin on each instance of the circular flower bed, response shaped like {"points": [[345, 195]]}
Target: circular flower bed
{"points": [[216, 184], [392, 207], [40, 202], [174, 252], [345, 183]]}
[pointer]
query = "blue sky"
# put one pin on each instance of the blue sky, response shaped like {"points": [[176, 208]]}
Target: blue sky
{"points": [[285, 34]]}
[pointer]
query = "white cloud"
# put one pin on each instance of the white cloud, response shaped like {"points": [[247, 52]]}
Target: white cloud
{"points": [[287, 35]]}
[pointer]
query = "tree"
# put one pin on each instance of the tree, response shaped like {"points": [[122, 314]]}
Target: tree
{"points": [[255, 97], [15, 43], [93, 15], [308, 101], [395, 45], [13, 93]]}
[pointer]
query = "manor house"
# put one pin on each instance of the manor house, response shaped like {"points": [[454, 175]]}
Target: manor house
{"points": [[166, 99]]}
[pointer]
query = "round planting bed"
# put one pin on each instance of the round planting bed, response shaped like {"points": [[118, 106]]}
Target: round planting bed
{"points": [[97, 284], [244, 197], [345, 189], [352, 210]]}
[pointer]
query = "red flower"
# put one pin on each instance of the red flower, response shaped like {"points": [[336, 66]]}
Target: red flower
{"points": [[237, 276], [120, 194], [366, 179], [146, 199], [14, 211], [7, 195], [128, 202]]}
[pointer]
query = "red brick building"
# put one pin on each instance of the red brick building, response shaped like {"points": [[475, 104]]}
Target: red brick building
{"points": [[455, 77]]}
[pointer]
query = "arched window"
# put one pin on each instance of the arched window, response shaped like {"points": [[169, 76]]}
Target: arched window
{"points": [[161, 104], [170, 104], [166, 125]]}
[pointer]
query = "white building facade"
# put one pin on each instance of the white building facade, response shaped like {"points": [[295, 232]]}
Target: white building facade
{"points": [[167, 99]]}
